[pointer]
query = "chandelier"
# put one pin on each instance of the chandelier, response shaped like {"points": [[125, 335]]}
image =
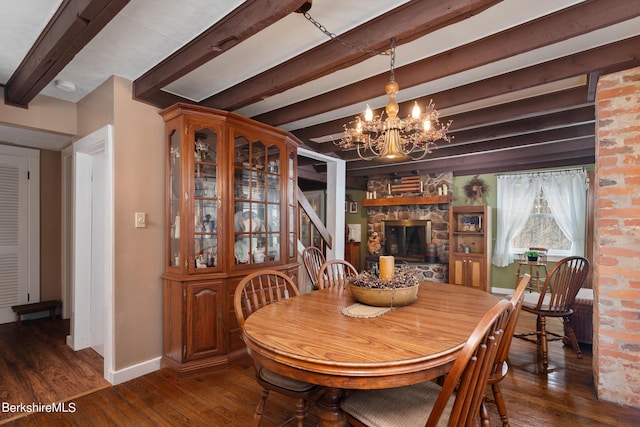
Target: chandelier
{"points": [[388, 137]]}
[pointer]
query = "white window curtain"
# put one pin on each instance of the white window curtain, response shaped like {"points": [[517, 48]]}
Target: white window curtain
{"points": [[516, 195], [566, 193]]}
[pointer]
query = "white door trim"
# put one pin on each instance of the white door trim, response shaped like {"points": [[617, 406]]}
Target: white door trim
{"points": [[83, 151], [66, 269], [336, 180]]}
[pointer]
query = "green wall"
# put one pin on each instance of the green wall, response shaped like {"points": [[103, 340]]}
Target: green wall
{"points": [[358, 218]]}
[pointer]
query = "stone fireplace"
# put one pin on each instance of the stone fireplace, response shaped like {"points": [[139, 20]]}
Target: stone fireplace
{"points": [[431, 218]]}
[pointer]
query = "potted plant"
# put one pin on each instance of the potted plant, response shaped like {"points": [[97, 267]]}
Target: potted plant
{"points": [[532, 255]]}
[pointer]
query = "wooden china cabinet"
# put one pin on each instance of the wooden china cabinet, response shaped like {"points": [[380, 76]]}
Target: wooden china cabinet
{"points": [[470, 246], [230, 209]]}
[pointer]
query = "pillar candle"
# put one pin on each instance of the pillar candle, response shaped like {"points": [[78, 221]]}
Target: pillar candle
{"points": [[386, 267]]}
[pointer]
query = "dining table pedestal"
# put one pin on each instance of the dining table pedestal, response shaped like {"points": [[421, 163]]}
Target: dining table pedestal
{"points": [[328, 408]]}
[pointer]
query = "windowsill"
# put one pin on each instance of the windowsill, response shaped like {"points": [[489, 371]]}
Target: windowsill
{"points": [[550, 258]]}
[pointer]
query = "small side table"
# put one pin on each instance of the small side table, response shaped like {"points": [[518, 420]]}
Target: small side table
{"points": [[537, 271]]}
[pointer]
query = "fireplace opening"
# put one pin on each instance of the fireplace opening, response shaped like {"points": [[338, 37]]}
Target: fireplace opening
{"points": [[406, 240]]}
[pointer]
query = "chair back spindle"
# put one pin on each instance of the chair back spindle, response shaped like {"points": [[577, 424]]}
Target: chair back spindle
{"points": [[516, 299], [470, 372], [460, 400], [313, 258], [556, 299], [254, 292], [259, 289], [562, 285], [336, 274]]}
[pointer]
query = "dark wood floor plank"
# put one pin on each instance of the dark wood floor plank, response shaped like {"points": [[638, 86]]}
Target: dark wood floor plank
{"points": [[278, 407], [138, 393], [156, 418], [23, 422], [191, 406], [222, 399], [121, 411], [37, 366], [42, 419]]}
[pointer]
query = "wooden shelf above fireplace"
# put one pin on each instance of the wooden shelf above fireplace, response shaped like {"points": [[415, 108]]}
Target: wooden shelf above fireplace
{"points": [[413, 200]]}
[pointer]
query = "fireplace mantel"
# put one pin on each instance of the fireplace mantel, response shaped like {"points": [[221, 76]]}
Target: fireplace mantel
{"points": [[412, 200]]}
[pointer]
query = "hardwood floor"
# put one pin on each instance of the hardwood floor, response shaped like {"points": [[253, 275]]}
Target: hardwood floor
{"points": [[37, 366], [564, 396]]}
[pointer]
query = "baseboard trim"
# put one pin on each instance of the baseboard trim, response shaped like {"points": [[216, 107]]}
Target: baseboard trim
{"points": [[135, 371]]}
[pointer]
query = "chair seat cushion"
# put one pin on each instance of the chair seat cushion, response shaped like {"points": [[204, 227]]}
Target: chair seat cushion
{"points": [[282, 381], [393, 407]]}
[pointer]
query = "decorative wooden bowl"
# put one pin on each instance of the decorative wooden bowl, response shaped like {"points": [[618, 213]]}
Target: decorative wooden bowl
{"points": [[380, 297]]}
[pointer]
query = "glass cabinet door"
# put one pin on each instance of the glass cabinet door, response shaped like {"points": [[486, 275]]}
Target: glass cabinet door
{"points": [[174, 196], [206, 202], [257, 217], [292, 205]]}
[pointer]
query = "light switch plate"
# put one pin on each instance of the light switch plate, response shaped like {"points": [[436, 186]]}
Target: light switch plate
{"points": [[141, 220]]}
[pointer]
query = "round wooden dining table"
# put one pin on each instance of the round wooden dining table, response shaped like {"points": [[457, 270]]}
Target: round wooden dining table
{"points": [[310, 339]]}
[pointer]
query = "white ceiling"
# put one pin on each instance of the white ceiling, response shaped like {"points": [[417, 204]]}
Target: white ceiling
{"points": [[147, 31]]}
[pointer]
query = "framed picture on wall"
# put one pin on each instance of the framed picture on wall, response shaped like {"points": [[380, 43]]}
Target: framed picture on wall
{"points": [[353, 207]]}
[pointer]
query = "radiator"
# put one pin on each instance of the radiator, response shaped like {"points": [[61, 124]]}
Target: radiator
{"points": [[582, 319]]}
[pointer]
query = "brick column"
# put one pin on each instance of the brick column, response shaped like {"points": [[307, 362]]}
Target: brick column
{"points": [[616, 347]]}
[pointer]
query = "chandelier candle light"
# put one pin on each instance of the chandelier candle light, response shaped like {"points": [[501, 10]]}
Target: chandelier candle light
{"points": [[391, 138]]}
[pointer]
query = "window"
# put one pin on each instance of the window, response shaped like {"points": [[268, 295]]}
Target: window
{"points": [[541, 230], [542, 209]]}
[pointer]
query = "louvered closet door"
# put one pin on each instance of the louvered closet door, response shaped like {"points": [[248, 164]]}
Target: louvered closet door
{"points": [[13, 234]]}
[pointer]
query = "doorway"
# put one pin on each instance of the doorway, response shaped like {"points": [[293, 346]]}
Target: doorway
{"points": [[92, 272], [19, 229], [335, 197]]}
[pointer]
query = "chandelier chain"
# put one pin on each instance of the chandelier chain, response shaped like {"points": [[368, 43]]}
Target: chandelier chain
{"points": [[392, 60], [344, 42]]}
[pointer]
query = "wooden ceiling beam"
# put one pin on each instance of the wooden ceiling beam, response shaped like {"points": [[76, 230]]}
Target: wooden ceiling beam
{"points": [[621, 54], [564, 100], [530, 156], [527, 125], [246, 20], [556, 101], [546, 137], [404, 23], [546, 105], [571, 22], [73, 25]]}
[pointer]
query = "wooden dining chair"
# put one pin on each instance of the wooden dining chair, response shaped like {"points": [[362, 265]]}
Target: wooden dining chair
{"points": [[255, 291], [313, 258], [500, 365], [426, 403], [555, 299], [335, 273]]}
